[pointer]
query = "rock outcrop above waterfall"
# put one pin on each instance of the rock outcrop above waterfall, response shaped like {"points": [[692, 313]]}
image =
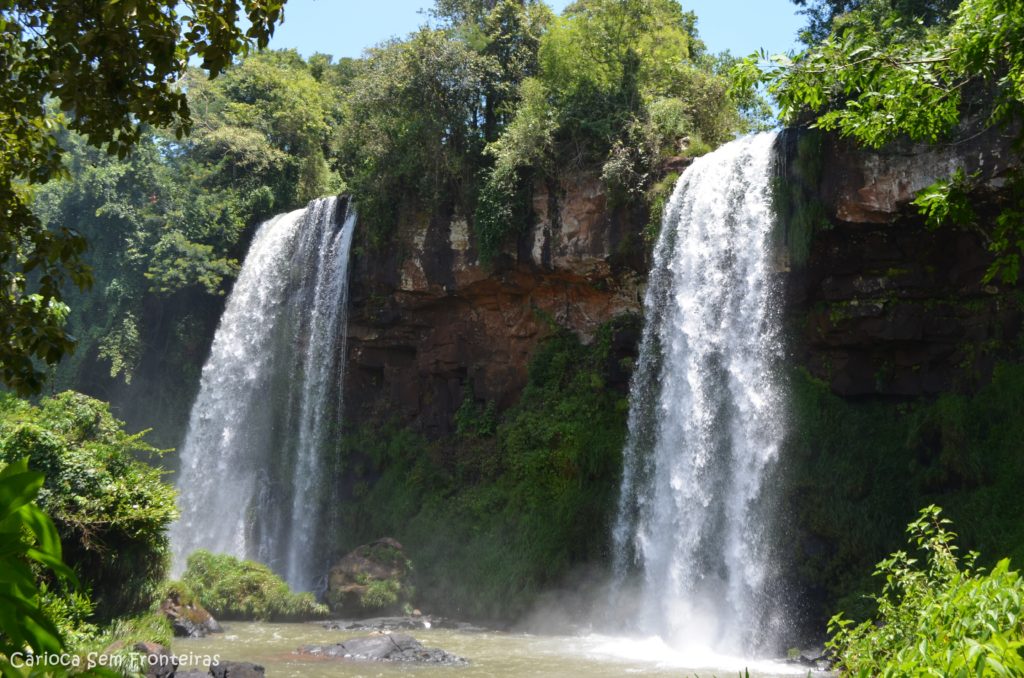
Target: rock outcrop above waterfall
{"points": [[864, 186], [429, 320], [885, 305]]}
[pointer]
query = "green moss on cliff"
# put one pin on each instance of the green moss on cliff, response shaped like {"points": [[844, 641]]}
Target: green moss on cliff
{"points": [[795, 195], [860, 469], [493, 515]]}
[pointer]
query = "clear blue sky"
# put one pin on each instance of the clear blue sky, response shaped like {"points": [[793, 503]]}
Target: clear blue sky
{"points": [[347, 27]]}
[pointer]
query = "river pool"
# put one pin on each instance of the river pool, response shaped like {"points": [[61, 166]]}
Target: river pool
{"points": [[492, 654]]}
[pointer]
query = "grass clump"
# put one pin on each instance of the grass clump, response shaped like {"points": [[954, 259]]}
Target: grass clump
{"points": [[152, 627], [380, 594], [939, 616], [230, 588]]}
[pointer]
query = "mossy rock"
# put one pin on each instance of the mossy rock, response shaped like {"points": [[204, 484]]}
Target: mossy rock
{"points": [[372, 579], [188, 618]]}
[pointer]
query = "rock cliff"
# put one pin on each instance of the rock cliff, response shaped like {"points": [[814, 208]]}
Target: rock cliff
{"points": [[885, 305], [428, 320]]}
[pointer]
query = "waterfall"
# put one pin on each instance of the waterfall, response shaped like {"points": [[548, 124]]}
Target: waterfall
{"points": [[705, 421], [253, 480]]}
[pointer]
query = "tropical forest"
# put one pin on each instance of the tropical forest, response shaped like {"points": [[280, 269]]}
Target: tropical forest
{"points": [[511, 338]]}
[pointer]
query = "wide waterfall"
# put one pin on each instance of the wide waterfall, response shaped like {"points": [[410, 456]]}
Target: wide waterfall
{"points": [[253, 480], [705, 423]]}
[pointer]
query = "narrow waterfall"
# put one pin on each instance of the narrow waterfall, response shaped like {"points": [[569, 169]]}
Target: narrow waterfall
{"points": [[253, 481], [705, 423]]}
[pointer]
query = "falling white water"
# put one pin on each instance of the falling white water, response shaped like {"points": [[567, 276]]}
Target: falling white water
{"points": [[253, 481], [705, 420]]}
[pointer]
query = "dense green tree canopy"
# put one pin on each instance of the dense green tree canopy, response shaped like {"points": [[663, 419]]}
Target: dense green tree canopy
{"points": [[411, 125], [166, 223], [822, 15], [111, 511], [459, 118], [112, 66]]}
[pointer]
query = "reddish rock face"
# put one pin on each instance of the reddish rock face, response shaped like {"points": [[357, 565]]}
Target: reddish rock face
{"points": [[883, 306], [427, 320]]}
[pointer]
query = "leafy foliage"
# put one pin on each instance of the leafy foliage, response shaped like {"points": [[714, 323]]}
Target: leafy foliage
{"points": [[945, 200], [824, 15], [151, 628], [657, 197], [111, 510], [23, 618], [943, 616], [117, 640], [493, 516], [71, 611], [242, 589], [381, 594], [882, 459], [473, 420], [266, 126], [112, 68], [410, 129]]}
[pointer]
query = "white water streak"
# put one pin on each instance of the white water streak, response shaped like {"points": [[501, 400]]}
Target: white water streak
{"points": [[706, 410], [252, 482]]}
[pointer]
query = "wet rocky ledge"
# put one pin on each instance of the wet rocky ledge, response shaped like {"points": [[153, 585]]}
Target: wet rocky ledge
{"points": [[385, 647], [402, 623], [818, 659]]}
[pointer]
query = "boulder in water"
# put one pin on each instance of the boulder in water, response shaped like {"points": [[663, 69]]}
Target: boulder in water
{"points": [[372, 578], [404, 623], [224, 670], [188, 618], [237, 670], [385, 647], [157, 660]]}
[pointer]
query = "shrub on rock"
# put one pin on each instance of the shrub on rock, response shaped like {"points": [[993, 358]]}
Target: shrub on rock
{"points": [[188, 618], [245, 590], [373, 578]]}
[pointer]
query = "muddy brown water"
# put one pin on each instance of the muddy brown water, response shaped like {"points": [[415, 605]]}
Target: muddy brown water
{"points": [[491, 655]]}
